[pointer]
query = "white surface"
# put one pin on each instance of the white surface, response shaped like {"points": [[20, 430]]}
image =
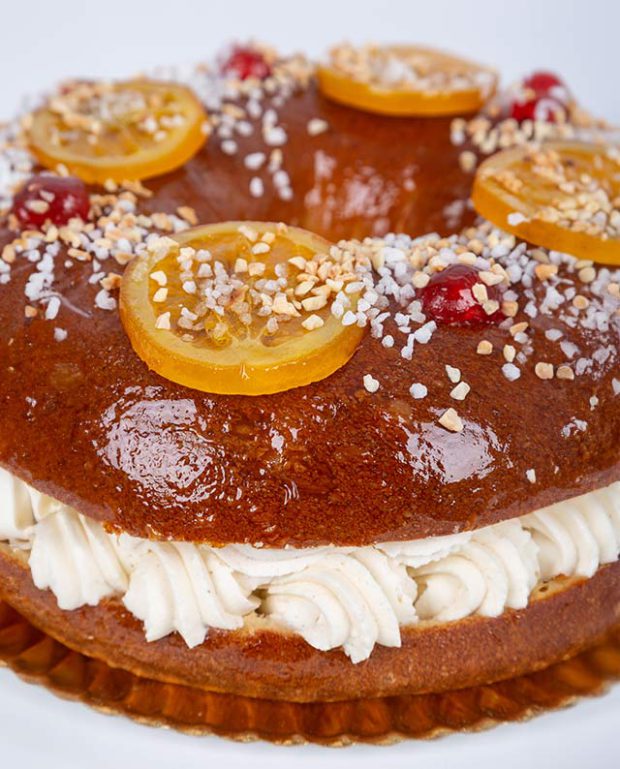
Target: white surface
{"points": [[47, 40], [43, 41]]}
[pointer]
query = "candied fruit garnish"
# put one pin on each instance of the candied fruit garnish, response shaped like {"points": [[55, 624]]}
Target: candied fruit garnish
{"points": [[246, 62], [451, 297], [55, 199], [542, 96]]}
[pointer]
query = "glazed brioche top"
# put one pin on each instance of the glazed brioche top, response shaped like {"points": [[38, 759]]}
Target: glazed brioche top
{"points": [[384, 449]]}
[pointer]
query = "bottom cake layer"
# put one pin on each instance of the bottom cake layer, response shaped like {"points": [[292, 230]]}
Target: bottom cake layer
{"points": [[39, 659], [564, 617]]}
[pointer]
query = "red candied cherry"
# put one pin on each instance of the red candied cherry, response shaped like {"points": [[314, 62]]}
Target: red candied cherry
{"points": [[56, 199], [542, 96], [244, 62], [449, 298]]}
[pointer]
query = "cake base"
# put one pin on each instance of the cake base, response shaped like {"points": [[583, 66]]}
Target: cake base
{"points": [[38, 658]]}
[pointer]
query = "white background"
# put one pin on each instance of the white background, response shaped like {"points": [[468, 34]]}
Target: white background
{"points": [[44, 41], [48, 39]]}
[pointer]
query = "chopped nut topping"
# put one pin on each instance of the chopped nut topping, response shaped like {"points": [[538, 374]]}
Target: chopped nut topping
{"points": [[461, 391], [451, 421], [163, 322], [509, 353], [479, 290], [581, 302], [510, 309], [587, 274], [467, 161], [565, 372], [160, 295], [518, 328], [111, 282], [312, 322], [544, 370], [188, 214], [545, 271]]}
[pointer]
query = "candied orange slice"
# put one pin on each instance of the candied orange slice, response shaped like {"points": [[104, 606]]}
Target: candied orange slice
{"points": [[119, 131], [405, 80], [564, 196], [241, 308]]}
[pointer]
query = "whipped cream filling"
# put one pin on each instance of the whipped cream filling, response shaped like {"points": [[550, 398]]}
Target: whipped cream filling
{"points": [[349, 597]]}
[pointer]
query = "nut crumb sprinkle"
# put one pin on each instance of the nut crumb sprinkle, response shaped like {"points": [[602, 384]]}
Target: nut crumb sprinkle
{"points": [[370, 383], [392, 271], [461, 391], [451, 421], [531, 475]]}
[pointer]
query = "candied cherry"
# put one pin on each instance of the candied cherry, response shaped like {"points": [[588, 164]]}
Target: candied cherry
{"points": [[448, 298], [56, 199], [542, 96], [245, 62]]}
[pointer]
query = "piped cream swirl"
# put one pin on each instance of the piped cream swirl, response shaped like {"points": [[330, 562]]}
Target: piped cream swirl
{"points": [[351, 598]]}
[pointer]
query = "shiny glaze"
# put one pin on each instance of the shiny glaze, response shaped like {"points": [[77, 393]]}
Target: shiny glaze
{"points": [[86, 422]]}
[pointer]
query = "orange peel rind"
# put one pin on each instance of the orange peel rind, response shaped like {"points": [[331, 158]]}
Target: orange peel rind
{"points": [[405, 81], [564, 196], [124, 131], [238, 308]]}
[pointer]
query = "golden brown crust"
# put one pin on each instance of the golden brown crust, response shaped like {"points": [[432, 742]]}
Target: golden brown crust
{"points": [[37, 658], [328, 463], [563, 618]]}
